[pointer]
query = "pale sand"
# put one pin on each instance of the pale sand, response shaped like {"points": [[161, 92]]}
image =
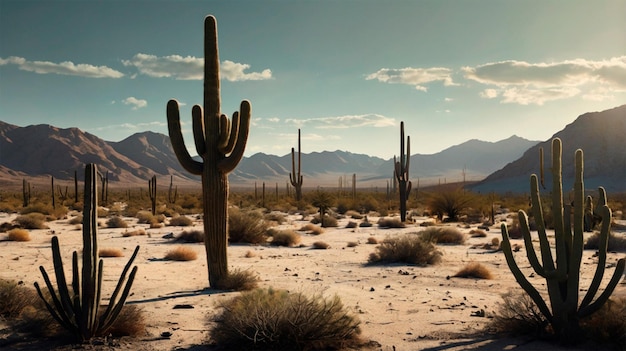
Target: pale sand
{"points": [[401, 307]]}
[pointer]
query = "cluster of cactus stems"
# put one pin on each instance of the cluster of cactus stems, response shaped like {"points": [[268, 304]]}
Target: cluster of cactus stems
{"points": [[296, 178], [78, 311], [562, 279], [220, 143], [401, 171], [152, 186]]}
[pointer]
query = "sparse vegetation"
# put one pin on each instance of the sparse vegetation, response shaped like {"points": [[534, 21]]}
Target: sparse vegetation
{"points": [[406, 248], [287, 238], [391, 223], [443, 235], [352, 224], [372, 240], [239, 280], [615, 242], [18, 234], [181, 253], [33, 220], [180, 221], [477, 233], [320, 245], [517, 314], [474, 270], [450, 204], [135, 232], [190, 236], [279, 320], [311, 228], [246, 227], [116, 222]]}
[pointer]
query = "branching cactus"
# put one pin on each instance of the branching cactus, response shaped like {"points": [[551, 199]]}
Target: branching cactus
{"points": [[563, 276], [220, 143], [296, 178], [401, 171], [78, 311]]}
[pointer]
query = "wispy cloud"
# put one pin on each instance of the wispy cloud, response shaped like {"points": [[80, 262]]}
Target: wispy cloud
{"points": [[347, 121], [135, 103], [536, 83], [417, 77], [190, 68], [67, 68], [132, 126]]}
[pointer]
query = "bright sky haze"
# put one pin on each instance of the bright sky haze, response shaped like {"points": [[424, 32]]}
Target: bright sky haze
{"points": [[345, 72]]}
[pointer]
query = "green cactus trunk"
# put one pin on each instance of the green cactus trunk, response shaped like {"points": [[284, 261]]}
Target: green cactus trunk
{"points": [[152, 186], [401, 171], [563, 279], [221, 144], [296, 177]]}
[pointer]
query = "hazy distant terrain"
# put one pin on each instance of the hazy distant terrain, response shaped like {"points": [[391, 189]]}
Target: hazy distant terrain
{"points": [[44, 150]]}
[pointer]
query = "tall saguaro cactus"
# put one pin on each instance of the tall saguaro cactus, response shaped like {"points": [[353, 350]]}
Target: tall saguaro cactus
{"points": [[296, 178], [401, 171], [78, 311], [563, 279], [220, 143]]}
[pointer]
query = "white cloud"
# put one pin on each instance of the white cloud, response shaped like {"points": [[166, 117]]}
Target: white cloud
{"points": [[536, 83], [190, 68], [67, 68], [347, 121], [135, 103], [273, 119], [413, 76]]}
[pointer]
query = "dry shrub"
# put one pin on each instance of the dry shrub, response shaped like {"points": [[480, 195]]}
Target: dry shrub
{"points": [[365, 224], [181, 221], [116, 222], [33, 220], [246, 227], [391, 223], [279, 320], [518, 315], [181, 253], [146, 217], [443, 235], [352, 224], [311, 228], [249, 254], [18, 234], [136, 232], [23, 310], [372, 240], [14, 297], [191, 236], [130, 322], [110, 252], [354, 214], [285, 238], [608, 325], [275, 217], [239, 280], [46, 209], [76, 220], [428, 224], [474, 270], [617, 242], [406, 248], [514, 229], [477, 233], [352, 244], [320, 245]]}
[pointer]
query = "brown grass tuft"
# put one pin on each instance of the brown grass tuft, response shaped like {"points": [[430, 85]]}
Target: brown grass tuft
{"points": [[285, 238], [443, 235], [239, 280], [477, 233], [191, 236], [320, 245], [311, 228], [18, 234], [130, 322], [406, 248], [181, 253], [617, 242], [181, 221], [116, 222], [474, 270], [33, 220], [372, 240], [391, 223], [518, 315], [110, 252], [136, 232], [352, 244]]}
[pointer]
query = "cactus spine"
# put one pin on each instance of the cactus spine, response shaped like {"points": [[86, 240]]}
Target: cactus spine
{"points": [[78, 311], [401, 171], [296, 178], [221, 144], [563, 279], [152, 186]]}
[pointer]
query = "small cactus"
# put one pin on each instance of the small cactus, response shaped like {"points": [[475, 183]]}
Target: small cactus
{"points": [[78, 310], [563, 279], [401, 171], [296, 178], [152, 186]]}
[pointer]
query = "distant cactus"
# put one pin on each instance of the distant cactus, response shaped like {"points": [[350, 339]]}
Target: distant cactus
{"points": [[296, 178], [152, 186], [104, 178], [52, 192], [25, 192], [172, 193], [221, 144], [79, 311], [401, 171], [563, 280]]}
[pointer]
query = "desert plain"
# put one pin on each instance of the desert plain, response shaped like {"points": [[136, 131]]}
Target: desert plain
{"points": [[400, 306]]}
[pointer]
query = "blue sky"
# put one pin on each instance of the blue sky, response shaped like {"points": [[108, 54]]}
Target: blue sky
{"points": [[345, 72]]}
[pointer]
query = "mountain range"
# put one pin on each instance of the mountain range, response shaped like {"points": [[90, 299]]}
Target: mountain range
{"points": [[41, 151]]}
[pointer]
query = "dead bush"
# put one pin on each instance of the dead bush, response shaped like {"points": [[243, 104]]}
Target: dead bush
{"points": [[246, 227], [110, 252], [14, 297], [181, 253], [391, 223], [352, 224], [275, 217], [33, 220], [617, 242], [130, 322], [372, 240], [190, 236], [352, 244], [517, 314], [311, 228], [474, 270], [443, 235], [116, 222], [354, 214], [365, 224], [608, 325], [406, 248], [320, 245], [287, 238], [136, 232], [18, 234], [477, 233], [279, 320], [239, 280], [180, 221]]}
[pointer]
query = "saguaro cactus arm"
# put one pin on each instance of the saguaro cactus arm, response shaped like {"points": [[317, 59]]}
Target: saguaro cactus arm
{"points": [[236, 135], [178, 143]]}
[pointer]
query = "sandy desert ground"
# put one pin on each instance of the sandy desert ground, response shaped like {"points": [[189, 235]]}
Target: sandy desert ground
{"points": [[401, 307]]}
